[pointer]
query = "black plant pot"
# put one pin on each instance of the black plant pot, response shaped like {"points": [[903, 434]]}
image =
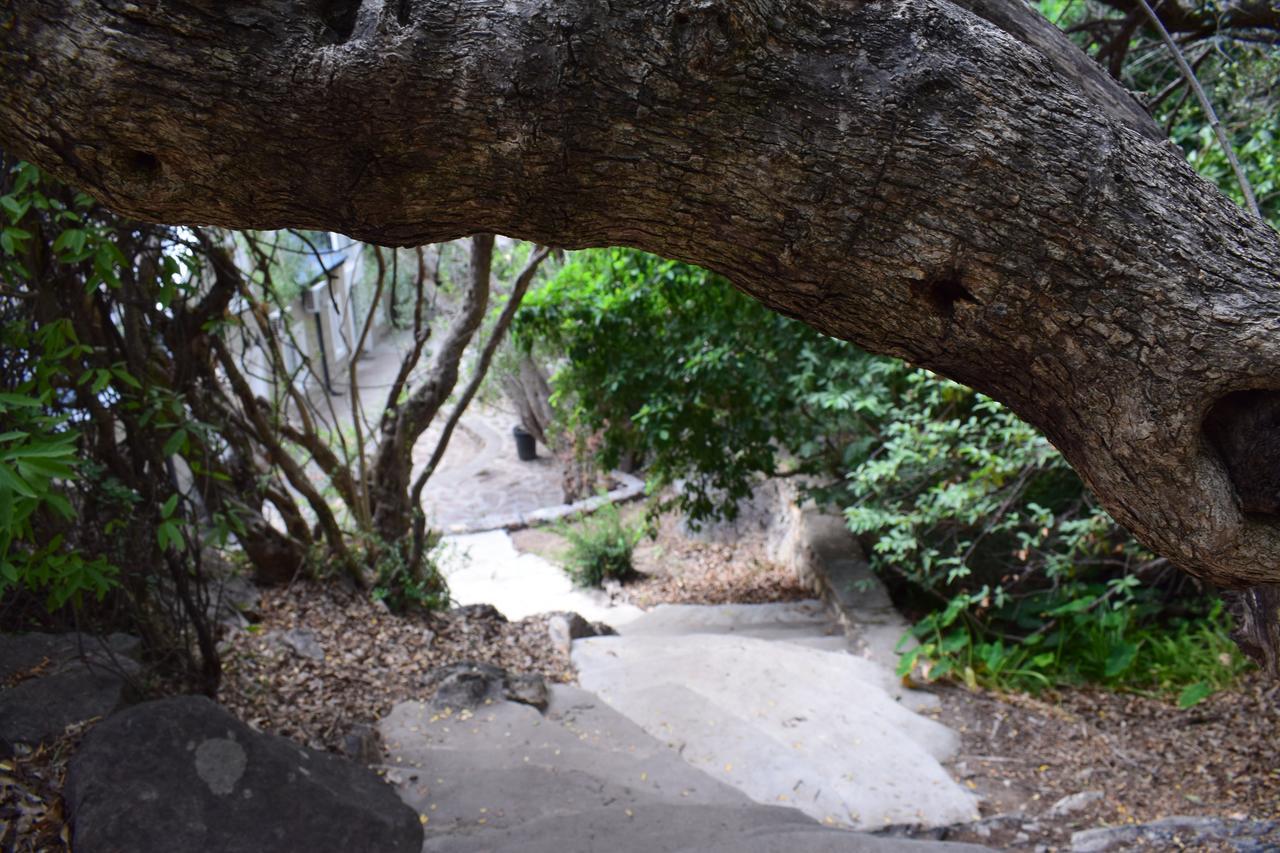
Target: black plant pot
{"points": [[526, 445]]}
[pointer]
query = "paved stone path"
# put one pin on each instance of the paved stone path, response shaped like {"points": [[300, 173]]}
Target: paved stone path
{"points": [[479, 474], [581, 778], [485, 568], [733, 728], [767, 699]]}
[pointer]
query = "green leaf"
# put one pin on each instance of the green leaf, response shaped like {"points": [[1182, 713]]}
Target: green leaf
{"points": [[1194, 694], [177, 441], [10, 480], [71, 241], [19, 401], [167, 508], [1120, 659], [60, 505]]}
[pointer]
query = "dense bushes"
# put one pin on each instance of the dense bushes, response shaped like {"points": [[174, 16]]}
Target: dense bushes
{"points": [[1015, 576], [671, 367]]}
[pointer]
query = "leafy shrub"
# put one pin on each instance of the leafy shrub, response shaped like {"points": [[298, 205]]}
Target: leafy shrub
{"points": [[1024, 582], [1016, 577], [671, 367], [600, 546]]}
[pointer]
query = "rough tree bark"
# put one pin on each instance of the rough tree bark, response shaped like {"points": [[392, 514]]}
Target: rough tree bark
{"points": [[950, 183]]}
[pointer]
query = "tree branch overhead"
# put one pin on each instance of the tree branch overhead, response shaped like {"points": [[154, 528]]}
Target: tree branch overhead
{"points": [[956, 186]]}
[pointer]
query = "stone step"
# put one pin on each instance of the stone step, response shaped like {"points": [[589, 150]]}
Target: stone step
{"points": [[583, 778], [819, 730], [805, 623], [581, 748], [770, 621], [671, 828]]}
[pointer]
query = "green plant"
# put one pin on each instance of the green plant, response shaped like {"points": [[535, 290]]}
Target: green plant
{"points": [[600, 546], [1116, 635], [668, 365], [403, 586]]}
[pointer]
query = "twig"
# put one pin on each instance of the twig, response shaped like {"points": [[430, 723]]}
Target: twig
{"points": [[1250, 201]]}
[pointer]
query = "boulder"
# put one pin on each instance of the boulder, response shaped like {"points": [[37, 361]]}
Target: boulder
{"points": [[468, 685], [54, 680], [564, 628], [183, 774]]}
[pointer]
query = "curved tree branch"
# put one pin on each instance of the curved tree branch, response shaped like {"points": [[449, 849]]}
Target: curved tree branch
{"points": [[952, 184]]}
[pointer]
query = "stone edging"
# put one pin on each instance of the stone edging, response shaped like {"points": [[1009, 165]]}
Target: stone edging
{"points": [[631, 487]]}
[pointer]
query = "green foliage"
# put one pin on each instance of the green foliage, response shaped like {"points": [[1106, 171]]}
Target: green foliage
{"points": [[671, 366], [78, 419], [403, 586], [40, 459], [1083, 634], [1026, 582], [980, 527], [37, 454], [600, 546]]}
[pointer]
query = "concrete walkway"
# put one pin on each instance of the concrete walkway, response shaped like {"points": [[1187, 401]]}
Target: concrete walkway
{"points": [[581, 778], [485, 568], [767, 699]]}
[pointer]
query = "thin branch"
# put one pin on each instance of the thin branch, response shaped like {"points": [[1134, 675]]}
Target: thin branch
{"points": [[362, 509], [1250, 202], [482, 367]]}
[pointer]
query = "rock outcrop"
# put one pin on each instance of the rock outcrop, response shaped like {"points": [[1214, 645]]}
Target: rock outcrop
{"points": [[53, 680], [183, 774]]}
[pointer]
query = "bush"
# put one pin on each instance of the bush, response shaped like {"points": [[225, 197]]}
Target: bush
{"points": [[986, 537], [672, 368], [600, 547]]}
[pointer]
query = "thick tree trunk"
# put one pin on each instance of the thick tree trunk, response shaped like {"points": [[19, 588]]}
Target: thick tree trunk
{"points": [[952, 184]]}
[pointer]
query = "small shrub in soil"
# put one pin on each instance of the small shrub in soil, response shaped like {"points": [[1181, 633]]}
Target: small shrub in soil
{"points": [[600, 547]]}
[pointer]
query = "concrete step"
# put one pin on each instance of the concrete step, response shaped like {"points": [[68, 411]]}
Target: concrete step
{"points": [[819, 730], [767, 620], [577, 779], [670, 828]]}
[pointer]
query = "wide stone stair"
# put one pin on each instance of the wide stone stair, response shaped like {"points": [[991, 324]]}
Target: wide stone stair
{"points": [[745, 728]]}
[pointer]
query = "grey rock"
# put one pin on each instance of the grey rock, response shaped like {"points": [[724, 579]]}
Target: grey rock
{"points": [[560, 633], [465, 685], [51, 653], [1073, 803], [527, 689], [468, 685], [479, 613], [183, 774], [564, 628], [235, 602], [304, 642], [61, 679], [1243, 836]]}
